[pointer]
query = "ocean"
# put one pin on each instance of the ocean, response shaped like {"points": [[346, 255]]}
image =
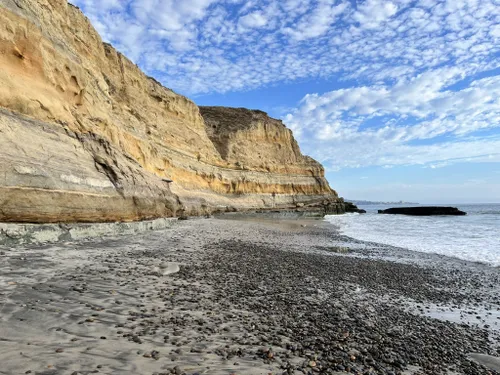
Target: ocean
{"points": [[475, 237]]}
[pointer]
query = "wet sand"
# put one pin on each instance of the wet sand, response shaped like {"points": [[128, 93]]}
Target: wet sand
{"points": [[233, 296]]}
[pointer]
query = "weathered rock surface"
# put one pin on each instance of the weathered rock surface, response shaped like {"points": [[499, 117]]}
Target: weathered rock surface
{"points": [[86, 136], [13, 234], [423, 211]]}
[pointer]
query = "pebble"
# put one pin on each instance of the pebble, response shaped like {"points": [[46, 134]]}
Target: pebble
{"points": [[318, 313]]}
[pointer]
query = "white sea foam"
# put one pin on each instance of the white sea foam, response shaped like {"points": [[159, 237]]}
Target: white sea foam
{"points": [[475, 237]]}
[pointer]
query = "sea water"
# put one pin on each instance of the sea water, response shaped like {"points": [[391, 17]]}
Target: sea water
{"points": [[475, 237]]}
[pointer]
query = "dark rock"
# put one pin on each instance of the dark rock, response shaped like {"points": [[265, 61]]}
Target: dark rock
{"points": [[352, 208], [155, 354], [423, 211]]}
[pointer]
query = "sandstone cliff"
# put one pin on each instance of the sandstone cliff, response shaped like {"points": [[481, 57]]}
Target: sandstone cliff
{"points": [[86, 136]]}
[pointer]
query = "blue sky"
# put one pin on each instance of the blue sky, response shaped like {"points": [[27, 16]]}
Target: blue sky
{"points": [[398, 99]]}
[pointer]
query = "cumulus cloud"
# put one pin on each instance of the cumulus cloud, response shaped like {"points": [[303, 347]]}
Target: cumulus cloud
{"points": [[317, 22], [374, 12], [252, 20], [241, 45], [420, 77], [419, 121]]}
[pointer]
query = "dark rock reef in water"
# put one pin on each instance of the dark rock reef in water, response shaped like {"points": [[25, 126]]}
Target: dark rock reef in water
{"points": [[424, 211]]}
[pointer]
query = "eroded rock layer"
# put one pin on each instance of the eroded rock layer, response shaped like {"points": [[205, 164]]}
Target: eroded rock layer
{"points": [[86, 136]]}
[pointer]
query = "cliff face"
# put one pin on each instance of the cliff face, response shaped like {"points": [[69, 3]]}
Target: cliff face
{"points": [[251, 140], [86, 136]]}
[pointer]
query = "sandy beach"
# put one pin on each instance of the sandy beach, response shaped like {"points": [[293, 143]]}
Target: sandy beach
{"points": [[243, 296]]}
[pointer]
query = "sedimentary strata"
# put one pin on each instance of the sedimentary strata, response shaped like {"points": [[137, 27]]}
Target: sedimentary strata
{"points": [[86, 136]]}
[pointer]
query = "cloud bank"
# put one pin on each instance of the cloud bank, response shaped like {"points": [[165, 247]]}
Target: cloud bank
{"points": [[420, 78]]}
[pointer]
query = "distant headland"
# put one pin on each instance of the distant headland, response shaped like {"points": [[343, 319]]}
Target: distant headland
{"points": [[366, 203]]}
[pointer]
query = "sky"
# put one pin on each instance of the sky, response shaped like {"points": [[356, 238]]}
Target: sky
{"points": [[399, 99]]}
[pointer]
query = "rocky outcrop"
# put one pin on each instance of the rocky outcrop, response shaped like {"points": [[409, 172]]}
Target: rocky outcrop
{"points": [[86, 136], [352, 208], [423, 211], [12, 234]]}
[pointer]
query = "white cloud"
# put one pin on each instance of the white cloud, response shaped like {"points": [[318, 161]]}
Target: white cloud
{"points": [[252, 20], [138, 26], [372, 13], [317, 22], [375, 41], [421, 97], [415, 122], [410, 68]]}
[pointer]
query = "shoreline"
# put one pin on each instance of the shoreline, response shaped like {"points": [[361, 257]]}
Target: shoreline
{"points": [[244, 286], [471, 238]]}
